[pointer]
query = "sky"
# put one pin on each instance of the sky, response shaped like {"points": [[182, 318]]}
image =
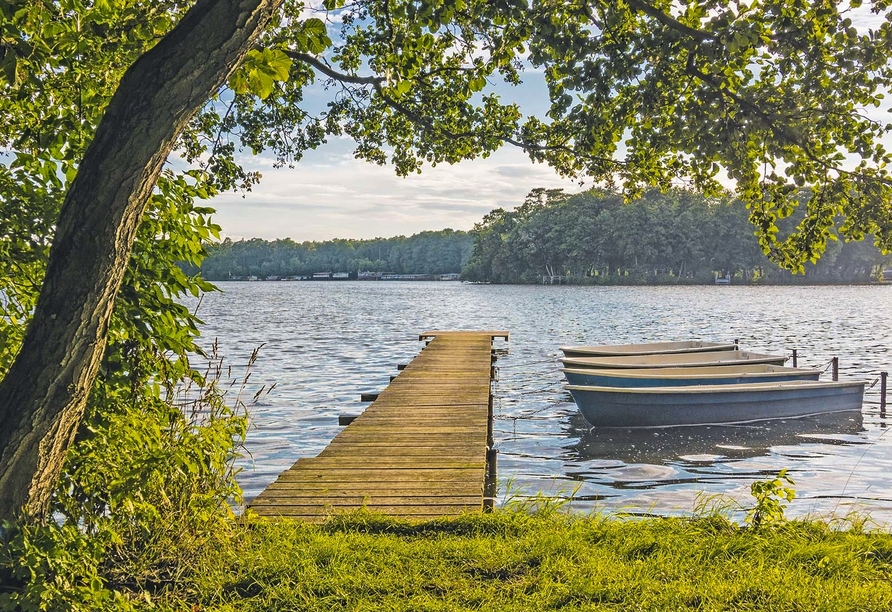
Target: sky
{"points": [[329, 194]]}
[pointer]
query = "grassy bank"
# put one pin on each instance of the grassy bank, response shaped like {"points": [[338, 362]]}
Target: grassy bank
{"points": [[517, 561]]}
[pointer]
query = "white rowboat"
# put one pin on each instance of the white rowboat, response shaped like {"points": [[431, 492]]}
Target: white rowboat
{"points": [[650, 348]]}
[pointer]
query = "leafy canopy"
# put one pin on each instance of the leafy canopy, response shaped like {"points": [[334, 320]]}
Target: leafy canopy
{"points": [[779, 95]]}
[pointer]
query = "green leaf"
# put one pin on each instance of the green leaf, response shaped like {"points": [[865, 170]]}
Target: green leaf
{"points": [[238, 82], [316, 35], [278, 64]]}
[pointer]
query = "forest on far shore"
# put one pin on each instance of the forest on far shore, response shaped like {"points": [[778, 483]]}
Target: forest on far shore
{"points": [[441, 252], [591, 237]]}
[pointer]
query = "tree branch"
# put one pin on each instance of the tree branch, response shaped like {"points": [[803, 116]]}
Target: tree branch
{"points": [[669, 21], [328, 71]]}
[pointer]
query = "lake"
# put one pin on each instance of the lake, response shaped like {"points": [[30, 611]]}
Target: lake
{"points": [[325, 342]]}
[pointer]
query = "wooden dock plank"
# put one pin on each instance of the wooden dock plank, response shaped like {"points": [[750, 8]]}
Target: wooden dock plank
{"points": [[431, 375], [434, 422], [418, 400], [368, 501], [398, 488], [394, 463], [469, 334], [411, 504], [417, 437], [418, 451], [420, 475], [321, 514], [410, 443]]}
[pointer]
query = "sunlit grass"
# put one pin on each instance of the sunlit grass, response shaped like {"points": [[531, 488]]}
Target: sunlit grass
{"points": [[511, 560]]}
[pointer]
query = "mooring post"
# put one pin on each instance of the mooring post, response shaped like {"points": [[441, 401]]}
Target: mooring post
{"points": [[795, 358], [490, 484], [835, 368], [737, 342], [883, 377], [490, 439]]}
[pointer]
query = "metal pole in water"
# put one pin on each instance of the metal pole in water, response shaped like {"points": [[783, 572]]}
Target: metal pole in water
{"points": [[490, 439], [490, 485], [795, 358], [835, 368], [883, 377]]}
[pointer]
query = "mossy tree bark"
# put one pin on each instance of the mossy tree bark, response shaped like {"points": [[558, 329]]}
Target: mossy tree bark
{"points": [[43, 396]]}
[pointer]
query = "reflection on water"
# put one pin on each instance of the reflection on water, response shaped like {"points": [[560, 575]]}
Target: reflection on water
{"points": [[327, 342], [706, 444]]}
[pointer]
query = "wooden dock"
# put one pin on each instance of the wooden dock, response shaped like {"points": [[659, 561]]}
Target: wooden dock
{"points": [[418, 451]]}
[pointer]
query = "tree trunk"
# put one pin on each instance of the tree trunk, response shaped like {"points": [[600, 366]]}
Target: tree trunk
{"points": [[43, 396]]}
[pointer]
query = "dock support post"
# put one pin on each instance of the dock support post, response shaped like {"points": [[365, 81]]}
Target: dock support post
{"points": [[490, 484], [795, 358], [835, 362], [883, 379], [490, 439]]}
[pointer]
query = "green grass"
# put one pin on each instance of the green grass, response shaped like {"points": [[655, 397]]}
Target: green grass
{"points": [[518, 561]]}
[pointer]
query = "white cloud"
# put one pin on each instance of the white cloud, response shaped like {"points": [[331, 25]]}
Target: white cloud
{"points": [[332, 195]]}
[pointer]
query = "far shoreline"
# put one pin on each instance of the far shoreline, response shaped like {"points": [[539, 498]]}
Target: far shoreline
{"points": [[574, 284]]}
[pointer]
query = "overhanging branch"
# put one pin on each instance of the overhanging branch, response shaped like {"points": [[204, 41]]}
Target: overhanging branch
{"points": [[670, 21], [328, 71], [377, 83]]}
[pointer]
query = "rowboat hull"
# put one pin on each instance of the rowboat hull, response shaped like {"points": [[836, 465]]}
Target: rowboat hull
{"points": [[650, 348], [713, 404], [683, 360], [681, 377]]}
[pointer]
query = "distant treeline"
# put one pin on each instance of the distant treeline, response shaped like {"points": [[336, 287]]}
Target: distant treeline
{"points": [[591, 237], [677, 236], [425, 253]]}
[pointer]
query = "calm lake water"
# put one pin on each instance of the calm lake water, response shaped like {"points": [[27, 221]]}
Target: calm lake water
{"points": [[324, 343]]}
